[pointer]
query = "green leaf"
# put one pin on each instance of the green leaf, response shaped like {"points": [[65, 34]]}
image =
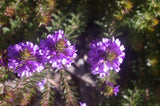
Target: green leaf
{"points": [[5, 30]]}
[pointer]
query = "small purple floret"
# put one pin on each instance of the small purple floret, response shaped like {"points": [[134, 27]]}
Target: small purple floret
{"points": [[105, 55], [82, 104], [57, 51], [41, 84], [1, 62], [116, 90], [23, 58]]}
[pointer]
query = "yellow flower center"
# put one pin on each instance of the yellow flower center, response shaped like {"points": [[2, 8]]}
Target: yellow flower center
{"points": [[109, 91], [25, 55], [111, 56], [61, 45]]}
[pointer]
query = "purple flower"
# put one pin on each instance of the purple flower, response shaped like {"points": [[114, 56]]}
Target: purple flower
{"points": [[23, 58], [41, 84], [105, 55], [57, 51], [82, 104], [116, 90]]}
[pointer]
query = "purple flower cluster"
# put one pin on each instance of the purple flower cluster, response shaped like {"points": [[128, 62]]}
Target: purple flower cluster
{"points": [[26, 58], [57, 50], [23, 58], [105, 55]]}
